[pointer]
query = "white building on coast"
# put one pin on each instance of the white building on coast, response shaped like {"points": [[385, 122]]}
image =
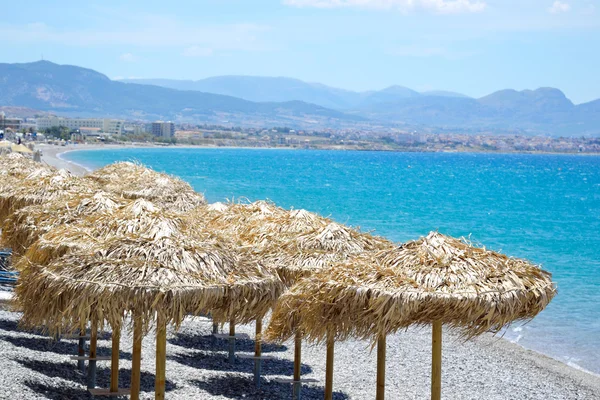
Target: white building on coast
{"points": [[110, 126]]}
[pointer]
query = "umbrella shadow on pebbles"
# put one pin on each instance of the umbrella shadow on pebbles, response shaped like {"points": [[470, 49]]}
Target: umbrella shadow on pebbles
{"points": [[64, 370], [209, 342], [68, 371], [235, 387], [45, 344], [59, 391], [10, 325], [217, 361], [147, 379]]}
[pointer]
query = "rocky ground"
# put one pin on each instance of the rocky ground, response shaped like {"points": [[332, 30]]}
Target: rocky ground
{"points": [[32, 366]]}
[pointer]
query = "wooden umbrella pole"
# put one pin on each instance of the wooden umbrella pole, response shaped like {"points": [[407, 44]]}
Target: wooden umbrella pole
{"points": [[329, 365], [81, 350], [257, 352], [161, 358], [232, 341], [91, 380], [136, 359], [381, 347], [297, 385], [436, 361], [114, 363]]}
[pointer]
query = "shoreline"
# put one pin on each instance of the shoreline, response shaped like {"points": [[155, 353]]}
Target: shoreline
{"points": [[53, 156]]}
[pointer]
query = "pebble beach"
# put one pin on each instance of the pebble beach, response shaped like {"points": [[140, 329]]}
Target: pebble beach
{"points": [[37, 367]]}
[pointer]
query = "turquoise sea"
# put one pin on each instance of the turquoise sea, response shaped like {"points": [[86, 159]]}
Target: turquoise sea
{"points": [[545, 208]]}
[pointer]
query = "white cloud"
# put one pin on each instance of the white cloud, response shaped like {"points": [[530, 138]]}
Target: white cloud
{"points": [[558, 7], [197, 51], [436, 6], [128, 57]]}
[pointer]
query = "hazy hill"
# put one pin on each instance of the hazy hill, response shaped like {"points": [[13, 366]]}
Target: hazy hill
{"points": [[78, 91], [47, 86], [260, 88], [545, 110]]}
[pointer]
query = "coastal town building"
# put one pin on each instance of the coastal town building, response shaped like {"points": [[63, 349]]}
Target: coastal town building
{"points": [[106, 125], [9, 123], [163, 129]]}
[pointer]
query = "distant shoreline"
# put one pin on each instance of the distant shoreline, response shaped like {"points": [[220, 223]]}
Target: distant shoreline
{"points": [[53, 155]]}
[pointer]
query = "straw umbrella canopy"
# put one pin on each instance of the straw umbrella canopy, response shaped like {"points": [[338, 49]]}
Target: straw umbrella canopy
{"points": [[19, 148], [300, 254], [257, 230], [14, 167], [260, 231], [145, 265], [434, 280], [40, 186], [24, 226], [313, 251], [19, 165], [134, 181]]}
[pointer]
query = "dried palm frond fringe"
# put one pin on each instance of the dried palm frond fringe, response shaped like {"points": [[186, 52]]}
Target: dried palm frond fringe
{"points": [[170, 276], [138, 258], [436, 278]]}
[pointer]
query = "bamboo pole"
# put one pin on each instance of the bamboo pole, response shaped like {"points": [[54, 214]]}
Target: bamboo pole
{"points": [[161, 358], [297, 364], [329, 365], [381, 347], [136, 359], [91, 380], [232, 341], [114, 363], [81, 350], [436, 361], [257, 352]]}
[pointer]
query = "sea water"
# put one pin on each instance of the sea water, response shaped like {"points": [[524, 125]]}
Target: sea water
{"points": [[545, 208]]}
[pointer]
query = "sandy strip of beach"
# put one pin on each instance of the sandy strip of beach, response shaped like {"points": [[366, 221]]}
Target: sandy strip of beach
{"points": [[51, 154]]}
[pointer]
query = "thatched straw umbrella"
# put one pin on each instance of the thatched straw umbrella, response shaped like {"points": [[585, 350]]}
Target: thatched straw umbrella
{"points": [[236, 221], [14, 168], [146, 266], [435, 280], [15, 164], [40, 186], [257, 229], [132, 217], [134, 181], [310, 252], [24, 226]]}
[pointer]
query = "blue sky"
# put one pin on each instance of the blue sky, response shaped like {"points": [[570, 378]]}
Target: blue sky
{"points": [[471, 46]]}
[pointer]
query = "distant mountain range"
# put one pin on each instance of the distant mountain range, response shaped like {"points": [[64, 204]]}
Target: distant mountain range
{"points": [[259, 88], [78, 91], [264, 101]]}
